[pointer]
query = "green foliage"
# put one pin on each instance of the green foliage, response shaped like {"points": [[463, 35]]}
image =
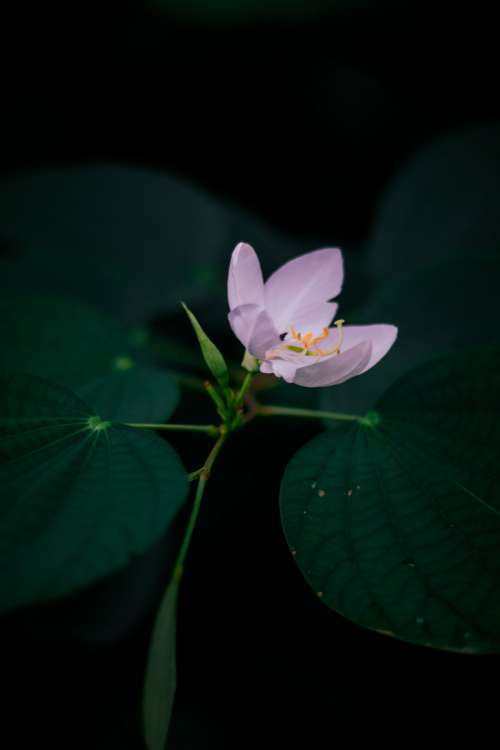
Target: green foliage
{"points": [[397, 525], [161, 672], [73, 345], [80, 495], [438, 309], [131, 241], [211, 354], [443, 203]]}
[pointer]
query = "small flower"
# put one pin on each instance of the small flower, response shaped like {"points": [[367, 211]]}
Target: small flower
{"points": [[285, 322]]}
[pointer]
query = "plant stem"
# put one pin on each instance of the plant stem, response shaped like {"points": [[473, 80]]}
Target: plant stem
{"points": [[210, 429], [218, 400], [244, 388], [200, 489], [290, 411]]}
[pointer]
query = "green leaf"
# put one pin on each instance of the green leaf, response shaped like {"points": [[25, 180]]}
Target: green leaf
{"points": [[73, 345], [443, 203], [397, 526], [438, 309], [129, 240], [161, 672], [80, 497], [212, 356]]}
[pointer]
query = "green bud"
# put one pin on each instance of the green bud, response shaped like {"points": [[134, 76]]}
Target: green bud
{"points": [[212, 356]]}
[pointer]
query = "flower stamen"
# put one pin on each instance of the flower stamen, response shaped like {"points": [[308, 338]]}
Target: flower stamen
{"points": [[335, 349], [323, 336], [305, 341]]}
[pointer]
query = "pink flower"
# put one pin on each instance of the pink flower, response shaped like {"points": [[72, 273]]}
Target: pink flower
{"points": [[285, 322]]}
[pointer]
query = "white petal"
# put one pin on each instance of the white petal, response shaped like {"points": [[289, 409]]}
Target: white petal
{"points": [[245, 285], [282, 369], [266, 367], [335, 369], [299, 289], [315, 318], [264, 336], [242, 321], [381, 336]]}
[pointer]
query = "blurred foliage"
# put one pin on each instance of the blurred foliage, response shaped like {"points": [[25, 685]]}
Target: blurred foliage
{"points": [[132, 241], [442, 307], [443, 202], [432, 258], [74, 345], [227, 11]]}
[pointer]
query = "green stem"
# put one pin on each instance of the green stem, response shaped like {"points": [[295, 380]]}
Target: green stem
{"points": [[244, 388], [200, 489], [290, 411], [210, 429], [218, 400]]}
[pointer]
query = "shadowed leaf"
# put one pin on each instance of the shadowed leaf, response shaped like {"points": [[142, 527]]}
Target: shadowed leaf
{"points": [[161, 672], [81, 496], [397, 526], [74, 345]]}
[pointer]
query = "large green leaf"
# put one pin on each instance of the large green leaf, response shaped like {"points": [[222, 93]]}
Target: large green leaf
{"points": [[80, 496], [397, 525], [161, 672], [444, 202], [132, 241], [74, 345], [440, 308]]}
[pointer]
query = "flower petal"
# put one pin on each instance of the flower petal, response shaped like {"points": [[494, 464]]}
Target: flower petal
{"points": [[302, 286], [266, 367], [381, 336], [242, 321], [263, 337], [245, 285], [315, 317], [335, 369], [282, 369]]}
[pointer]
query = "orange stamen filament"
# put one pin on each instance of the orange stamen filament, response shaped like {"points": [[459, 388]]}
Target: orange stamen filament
{"points": [[307, 341], [323, 336]]}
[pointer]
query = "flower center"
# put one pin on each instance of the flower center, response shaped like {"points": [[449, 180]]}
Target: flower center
{"points": [[308, 344]]}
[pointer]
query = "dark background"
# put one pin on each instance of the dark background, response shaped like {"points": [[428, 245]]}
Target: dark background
{"points": [[302, 118]]}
